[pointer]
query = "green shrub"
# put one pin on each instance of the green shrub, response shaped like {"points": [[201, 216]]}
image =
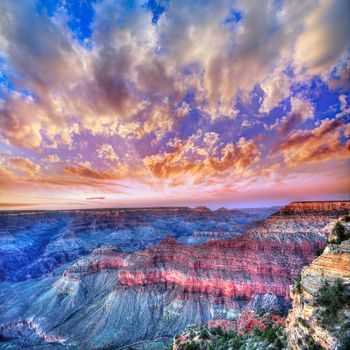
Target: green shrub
{"points": [[297, 283], [232, 334], [344, 335], [346, 218], [303, 322], [319, 251], [274, 336], [332, 298], [204, 334], [314, 346], [269, 333], [216, 331], [192, 346], [345, 343], [256, 331], [339, 231]]}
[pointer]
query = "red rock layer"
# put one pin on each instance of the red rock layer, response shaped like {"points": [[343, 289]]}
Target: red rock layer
{"points": [[263, 261], [326, 207], [247, 321]]}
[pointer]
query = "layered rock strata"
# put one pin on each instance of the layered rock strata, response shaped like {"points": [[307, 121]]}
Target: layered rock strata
{"points": [[306, 321], [112, 298], [34, 243]]}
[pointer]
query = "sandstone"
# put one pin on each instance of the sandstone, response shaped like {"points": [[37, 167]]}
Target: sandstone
{"points": [[305, 323]]}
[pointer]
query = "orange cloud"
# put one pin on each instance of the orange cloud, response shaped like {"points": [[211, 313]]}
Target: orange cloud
{"points": [[186, 158], [6, 176], [83, 171], [320, 144], [25, 165]]}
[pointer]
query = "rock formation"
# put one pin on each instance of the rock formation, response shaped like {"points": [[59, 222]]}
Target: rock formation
{"points": [[34, 243], [112, 297], [313, 322]]}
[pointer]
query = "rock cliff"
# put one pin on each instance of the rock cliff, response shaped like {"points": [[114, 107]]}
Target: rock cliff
{"points": [[320, 316]]}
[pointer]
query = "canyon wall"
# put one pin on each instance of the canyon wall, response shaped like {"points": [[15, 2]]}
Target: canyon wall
{"points": [[111, 298], [315, 321], [34, 243]]}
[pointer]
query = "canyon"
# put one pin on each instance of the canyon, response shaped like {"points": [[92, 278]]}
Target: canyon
{"points": [[115, 278], [34, 243]]}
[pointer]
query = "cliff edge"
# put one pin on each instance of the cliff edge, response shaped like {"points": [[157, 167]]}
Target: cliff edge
{"points": [[320, 315]]}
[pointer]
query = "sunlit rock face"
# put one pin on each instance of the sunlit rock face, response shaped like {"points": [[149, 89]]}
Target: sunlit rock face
{"points": [[115, 296], [306, 323]]}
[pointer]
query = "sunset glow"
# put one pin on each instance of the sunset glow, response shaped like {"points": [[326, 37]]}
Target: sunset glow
{"points": [[160, 103]]}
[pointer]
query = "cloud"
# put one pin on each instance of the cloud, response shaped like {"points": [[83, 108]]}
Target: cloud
{"points": [[324, 38], [52, 158], [344, 107], [13, 204], [106, 151], [276, 88], [25, 165], [123, 105], [87, 172], [301, 110], [95, 198], [6, 177], [131, 81], [320, 144], [200, 155]]}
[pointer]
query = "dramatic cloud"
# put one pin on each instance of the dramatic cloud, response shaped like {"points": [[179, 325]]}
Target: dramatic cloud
{"points": [[186, 157], [325, 36], [301, 110], [316, 145], [202, 97]]}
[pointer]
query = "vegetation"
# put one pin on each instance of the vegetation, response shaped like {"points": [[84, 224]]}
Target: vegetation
{"points": [[344, 335], [216, 338], [281, 313], [204, 334], [339, 231], [332, 298], [312, 345], [346, 218], [319, 251], [192, 346], [297, 284], [303, 322]]}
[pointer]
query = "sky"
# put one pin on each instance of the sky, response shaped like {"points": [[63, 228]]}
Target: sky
{"points": [[173, 102]]}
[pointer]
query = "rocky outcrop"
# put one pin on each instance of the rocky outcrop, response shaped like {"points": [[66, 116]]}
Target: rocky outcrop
{"points": [[28, 333], [312, 323], [330, 208]]}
